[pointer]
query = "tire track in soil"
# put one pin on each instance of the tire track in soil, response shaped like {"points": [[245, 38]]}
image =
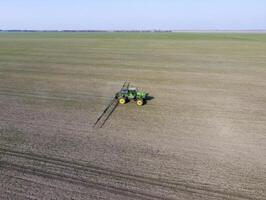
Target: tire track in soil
{"points": [[16, 193], [75, 180], [43, 184], [36, 125], [115, 175], [76, 98], [81, 93], [7, 195]]}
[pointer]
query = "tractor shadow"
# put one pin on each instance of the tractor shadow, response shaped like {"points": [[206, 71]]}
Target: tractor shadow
{"points": [[149, 98]]}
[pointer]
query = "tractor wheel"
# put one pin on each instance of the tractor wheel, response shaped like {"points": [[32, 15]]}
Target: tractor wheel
{"points": [[122, 101], [140, 102]]}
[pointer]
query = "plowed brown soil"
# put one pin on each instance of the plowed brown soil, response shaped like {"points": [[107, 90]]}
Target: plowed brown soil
{"points": [[201, 136]]}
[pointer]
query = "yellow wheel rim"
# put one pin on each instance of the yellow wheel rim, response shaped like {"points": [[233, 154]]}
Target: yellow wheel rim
{"points": [[122, 101], [139, 103]]}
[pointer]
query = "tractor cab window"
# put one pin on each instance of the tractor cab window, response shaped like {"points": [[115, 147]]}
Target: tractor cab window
{"points": [[124, 91], [133, 89]]}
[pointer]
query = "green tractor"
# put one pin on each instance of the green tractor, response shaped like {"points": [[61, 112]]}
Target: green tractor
{"points": [[127, 94]]}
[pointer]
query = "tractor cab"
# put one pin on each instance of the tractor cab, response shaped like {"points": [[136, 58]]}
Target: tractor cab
{"points": [[132, 93]]}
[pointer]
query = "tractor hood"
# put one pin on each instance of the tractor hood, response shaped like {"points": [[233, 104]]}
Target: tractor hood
{"points": [[142, 94]]}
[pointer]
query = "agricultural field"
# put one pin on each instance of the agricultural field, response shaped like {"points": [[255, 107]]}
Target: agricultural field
{"points": [[201, 136]]}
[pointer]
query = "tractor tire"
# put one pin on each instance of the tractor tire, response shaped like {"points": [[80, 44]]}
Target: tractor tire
{"points": [[140, 102], [122, 101]]}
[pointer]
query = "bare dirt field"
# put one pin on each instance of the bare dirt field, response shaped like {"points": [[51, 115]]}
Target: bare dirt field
{"points": [[202, 136]]}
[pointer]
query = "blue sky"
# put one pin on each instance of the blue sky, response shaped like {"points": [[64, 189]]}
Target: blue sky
{"points": [[133, 14]]}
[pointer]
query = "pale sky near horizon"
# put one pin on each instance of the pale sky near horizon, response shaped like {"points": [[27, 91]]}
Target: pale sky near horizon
{"points": [[133, 14]]}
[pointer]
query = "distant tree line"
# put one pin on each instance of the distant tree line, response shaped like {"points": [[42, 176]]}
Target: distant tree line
{"points": [[17, 30]]}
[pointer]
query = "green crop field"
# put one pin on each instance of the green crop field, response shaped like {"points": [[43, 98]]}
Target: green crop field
{"points": [[201, 136]]}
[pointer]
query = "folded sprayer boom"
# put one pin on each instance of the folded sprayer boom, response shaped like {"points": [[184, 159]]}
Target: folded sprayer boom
{"points": [[109, 109]]}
